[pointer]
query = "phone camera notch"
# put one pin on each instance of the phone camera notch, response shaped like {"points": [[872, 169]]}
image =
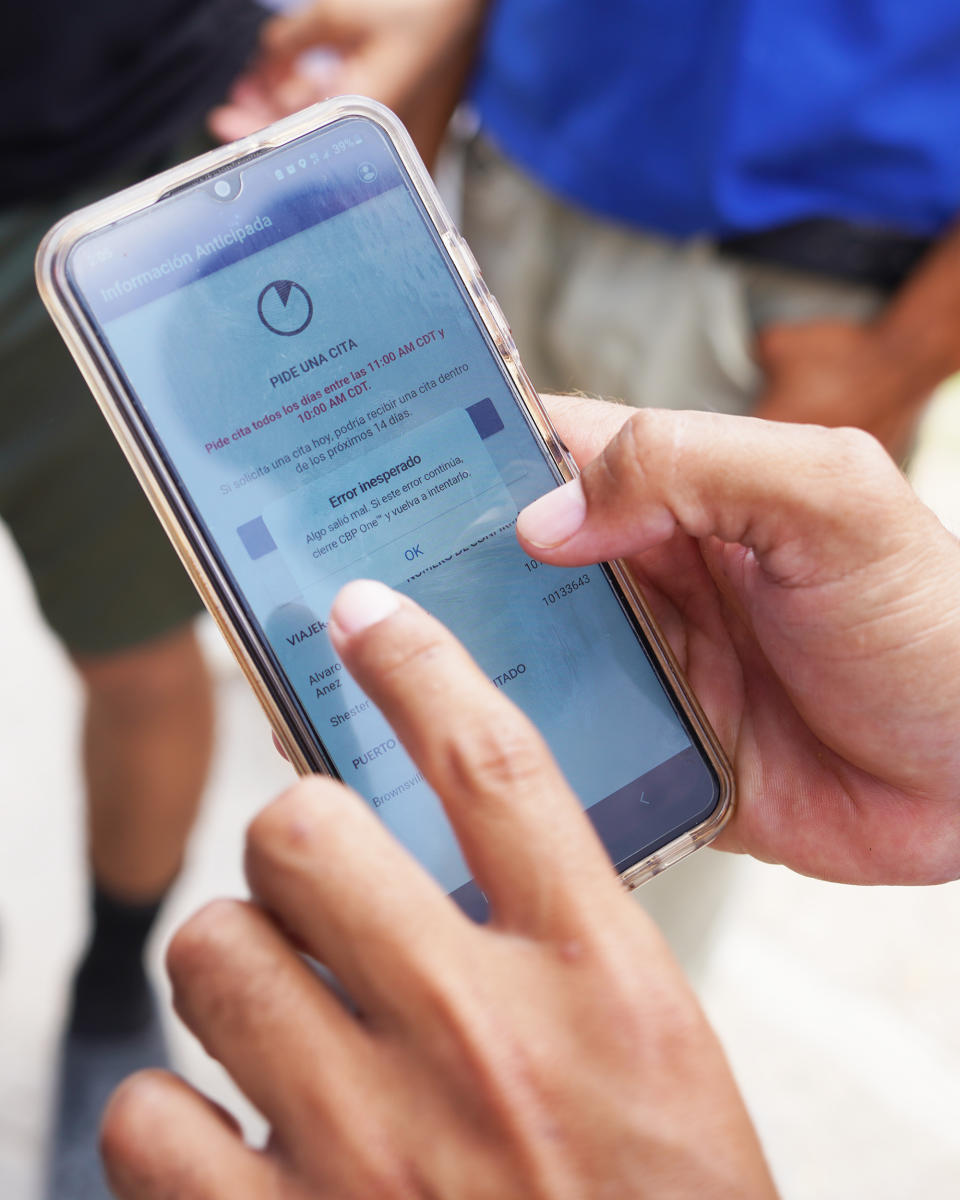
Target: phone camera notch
{"points": [[225, 187]]}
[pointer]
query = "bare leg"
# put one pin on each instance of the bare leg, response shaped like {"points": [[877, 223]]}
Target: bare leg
{"points": [[147, 742]]}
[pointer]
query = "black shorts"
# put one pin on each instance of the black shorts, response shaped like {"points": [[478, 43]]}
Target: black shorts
{"points": [[105, 575]]}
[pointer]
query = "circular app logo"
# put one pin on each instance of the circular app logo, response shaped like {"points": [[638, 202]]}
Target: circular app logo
{"points": [[285, 307]]}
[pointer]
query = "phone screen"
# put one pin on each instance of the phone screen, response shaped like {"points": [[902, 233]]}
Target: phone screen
{"points": [[320, 386]]}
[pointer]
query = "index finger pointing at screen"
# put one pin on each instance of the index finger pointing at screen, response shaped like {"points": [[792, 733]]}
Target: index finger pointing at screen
{"points": [[522, 831]]}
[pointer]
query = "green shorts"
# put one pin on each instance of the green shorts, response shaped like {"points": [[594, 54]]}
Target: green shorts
{"points": [[105, 575]]}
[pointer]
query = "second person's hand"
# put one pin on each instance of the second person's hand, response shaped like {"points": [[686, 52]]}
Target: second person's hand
{"points": [[412, 55]]}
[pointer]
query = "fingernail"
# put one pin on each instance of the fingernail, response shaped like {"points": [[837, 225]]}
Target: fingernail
{"points": [[361, 604], [555, 517]]}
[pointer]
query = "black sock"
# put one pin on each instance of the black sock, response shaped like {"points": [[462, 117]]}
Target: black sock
{"points": [[111, 994]]}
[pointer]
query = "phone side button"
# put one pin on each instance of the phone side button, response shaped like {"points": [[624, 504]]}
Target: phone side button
{"points": [[482, 294], [567, 456], [503, 327], [468, 258]]}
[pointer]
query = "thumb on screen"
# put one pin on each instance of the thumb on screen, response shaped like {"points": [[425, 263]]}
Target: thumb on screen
{"points": [[799, 497]]}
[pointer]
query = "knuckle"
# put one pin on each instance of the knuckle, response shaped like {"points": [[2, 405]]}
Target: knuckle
{"points": [[644, 468], [422, 645], [129, 1118], [676, 1031], [857, 460], [501, 754], [198, 946], [511, 1074], [365, 1152], [858, 449], [641, 457], [654, 1014], [473, 1035], [390, 1179], [630, 449], [292, 823], [316, 1108]]}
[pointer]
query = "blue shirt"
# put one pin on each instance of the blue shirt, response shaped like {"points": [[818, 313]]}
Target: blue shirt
{"points": [[726, 116]]}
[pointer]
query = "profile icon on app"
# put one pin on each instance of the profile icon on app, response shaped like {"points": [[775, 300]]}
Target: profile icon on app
{"points": [[285, 307]]}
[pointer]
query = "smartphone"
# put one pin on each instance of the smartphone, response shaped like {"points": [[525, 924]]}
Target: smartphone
{"points": [[299, 356]]}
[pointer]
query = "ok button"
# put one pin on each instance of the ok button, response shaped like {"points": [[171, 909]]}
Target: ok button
{"points": [[413, 552]]}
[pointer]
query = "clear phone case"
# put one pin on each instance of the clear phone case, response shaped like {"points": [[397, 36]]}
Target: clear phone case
{"points": [[154, 477]]}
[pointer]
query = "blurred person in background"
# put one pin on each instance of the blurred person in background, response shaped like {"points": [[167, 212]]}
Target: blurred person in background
{"points": [[743, 206], [92, 98]]}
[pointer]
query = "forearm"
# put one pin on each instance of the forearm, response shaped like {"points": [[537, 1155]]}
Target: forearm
{"points": [[440, 90], [877, 375], [921, 325]]}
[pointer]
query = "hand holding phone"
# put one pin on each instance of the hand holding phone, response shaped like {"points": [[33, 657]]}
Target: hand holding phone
{"points": [[810, 598]]}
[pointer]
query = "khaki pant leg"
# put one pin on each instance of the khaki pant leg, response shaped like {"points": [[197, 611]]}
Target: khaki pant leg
{"points": [[603, 308], [608, 309]]}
